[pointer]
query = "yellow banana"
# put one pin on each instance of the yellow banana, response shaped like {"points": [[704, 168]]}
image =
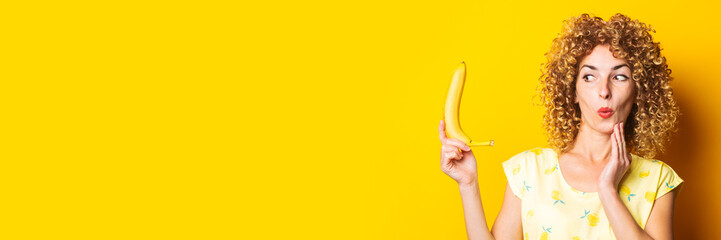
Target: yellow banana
{"points": [[451, 115]]}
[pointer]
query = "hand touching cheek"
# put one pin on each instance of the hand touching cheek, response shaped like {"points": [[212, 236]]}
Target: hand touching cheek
{"points": [[618, 165]]}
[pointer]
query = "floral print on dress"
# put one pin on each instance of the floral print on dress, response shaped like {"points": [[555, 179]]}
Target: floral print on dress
{"points": [[525, 188], [544, 234], [625, 191], [592, 218], [537, 151], [551, 170], [557, 196], [650, 196]]}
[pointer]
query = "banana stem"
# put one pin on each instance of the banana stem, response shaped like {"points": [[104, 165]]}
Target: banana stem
{"points": [[479, 144]]}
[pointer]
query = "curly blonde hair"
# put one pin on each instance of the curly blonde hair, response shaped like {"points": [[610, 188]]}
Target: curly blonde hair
{"points": [[654, 114]]}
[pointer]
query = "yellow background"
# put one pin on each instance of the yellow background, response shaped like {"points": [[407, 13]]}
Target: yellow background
{"points": [[298, 119]]}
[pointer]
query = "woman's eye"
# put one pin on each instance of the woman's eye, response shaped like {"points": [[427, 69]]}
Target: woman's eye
{"points": [[621, 77], [588, 77]]}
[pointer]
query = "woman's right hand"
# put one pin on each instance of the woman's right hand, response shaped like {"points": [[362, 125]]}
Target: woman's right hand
{"points": [[459, 165]]}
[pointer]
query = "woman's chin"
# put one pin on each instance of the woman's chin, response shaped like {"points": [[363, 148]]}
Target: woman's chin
{"points": [[605, 128], [608, 129]]}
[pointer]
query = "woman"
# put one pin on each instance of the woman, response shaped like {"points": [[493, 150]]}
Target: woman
{"points": [[609, 110]]}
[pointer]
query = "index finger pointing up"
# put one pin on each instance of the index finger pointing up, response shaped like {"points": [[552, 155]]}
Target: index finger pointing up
{"points": [[614, 146], [442, 131]]}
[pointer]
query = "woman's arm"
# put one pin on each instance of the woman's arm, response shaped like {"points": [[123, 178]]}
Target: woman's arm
{"points": [[659, 225], [462, 167], [660, 222], [476, 226], [622, 223], [507, 224]]}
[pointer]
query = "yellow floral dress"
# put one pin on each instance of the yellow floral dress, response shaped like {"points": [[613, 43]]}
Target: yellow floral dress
{"points": [[552, 209]]}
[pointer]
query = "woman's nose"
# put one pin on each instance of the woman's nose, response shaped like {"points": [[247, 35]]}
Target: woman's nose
{"points": [[604, 92]]}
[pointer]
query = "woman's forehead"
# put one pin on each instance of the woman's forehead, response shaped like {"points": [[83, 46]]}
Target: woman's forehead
{"points": [[601, 57]]}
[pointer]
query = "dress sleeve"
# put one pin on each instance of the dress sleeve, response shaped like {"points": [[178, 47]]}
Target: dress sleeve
{"points": [[668, 181], [514, 168]]}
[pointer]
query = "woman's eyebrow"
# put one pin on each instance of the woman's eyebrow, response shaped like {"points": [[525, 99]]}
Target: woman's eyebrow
{"points": [[614, 68], [620, 66], [588, 66]]}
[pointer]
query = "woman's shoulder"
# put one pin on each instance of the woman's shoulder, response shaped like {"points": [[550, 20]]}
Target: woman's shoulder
{"points": [[640, 162], [653, 175], [650, 164], [537, 155]]}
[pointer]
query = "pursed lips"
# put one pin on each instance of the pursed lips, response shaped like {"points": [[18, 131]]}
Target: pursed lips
{"points": [[605, 112], [605, 109]]}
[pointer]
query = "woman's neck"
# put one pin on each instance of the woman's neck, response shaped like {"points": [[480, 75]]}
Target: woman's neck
{"points": [[592, 145]]}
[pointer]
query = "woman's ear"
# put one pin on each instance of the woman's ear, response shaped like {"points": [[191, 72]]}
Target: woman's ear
{"points": [[575, 95]]}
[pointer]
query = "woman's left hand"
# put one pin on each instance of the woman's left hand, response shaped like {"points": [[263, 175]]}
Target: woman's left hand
{"points": [[618, 165]]}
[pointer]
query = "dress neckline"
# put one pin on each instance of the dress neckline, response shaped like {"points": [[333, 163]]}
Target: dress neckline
{"points": [[579, 192], [563, 180]]}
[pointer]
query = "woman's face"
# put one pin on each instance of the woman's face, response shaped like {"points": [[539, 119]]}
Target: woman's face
{"points": [[604, 90]]}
